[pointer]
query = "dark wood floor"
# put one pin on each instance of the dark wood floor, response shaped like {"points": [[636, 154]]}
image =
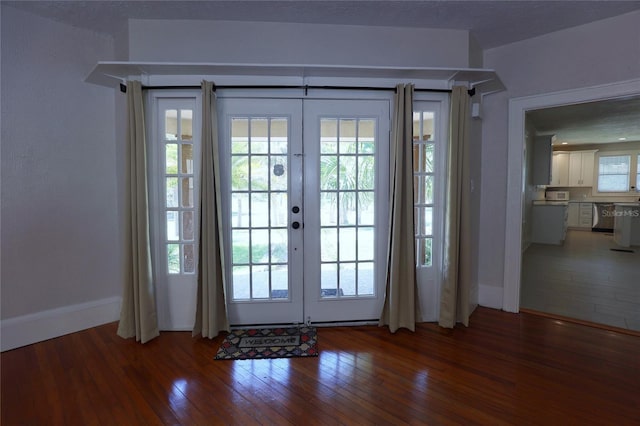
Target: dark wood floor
{"points": [[503, 369]]}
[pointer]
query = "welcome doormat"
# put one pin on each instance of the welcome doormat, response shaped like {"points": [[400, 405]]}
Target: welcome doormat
{"points": [[261, 343]]}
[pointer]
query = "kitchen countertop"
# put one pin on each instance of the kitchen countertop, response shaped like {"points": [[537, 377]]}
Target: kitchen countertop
{"points": [[550, 203]]}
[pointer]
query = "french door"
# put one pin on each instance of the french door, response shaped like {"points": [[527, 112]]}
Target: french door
{"points": [[306, 210]]}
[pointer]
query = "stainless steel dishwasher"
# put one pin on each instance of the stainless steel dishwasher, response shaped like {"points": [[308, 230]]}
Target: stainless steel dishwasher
{"points": [[603, 217]]}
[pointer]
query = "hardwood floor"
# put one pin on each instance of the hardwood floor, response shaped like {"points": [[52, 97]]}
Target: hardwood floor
{"points": [[503, 369], [584, 279]]}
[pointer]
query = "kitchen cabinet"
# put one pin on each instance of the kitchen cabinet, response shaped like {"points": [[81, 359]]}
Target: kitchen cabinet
{"points": [[549, 223], [560, 169], [580, 215], [542, 160], [581, 168], [626, 231]]}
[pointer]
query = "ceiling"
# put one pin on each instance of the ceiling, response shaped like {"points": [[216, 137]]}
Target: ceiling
{"points": [[604, 121], [492, 23]]}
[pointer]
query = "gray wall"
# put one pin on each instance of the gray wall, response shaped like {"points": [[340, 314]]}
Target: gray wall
{"points": [[60, 233], [284, 43], [597, 53]]}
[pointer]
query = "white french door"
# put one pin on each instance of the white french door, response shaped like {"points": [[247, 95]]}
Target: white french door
{"points": [[430, 139], [174, 152], [306, 211]]}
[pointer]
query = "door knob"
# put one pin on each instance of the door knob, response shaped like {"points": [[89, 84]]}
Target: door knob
{"points": [[295, 225], [295, 209]]}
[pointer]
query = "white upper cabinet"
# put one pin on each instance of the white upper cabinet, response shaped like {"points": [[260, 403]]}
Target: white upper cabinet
{"points": [[581, 168], [560, 169], [573, 168]]}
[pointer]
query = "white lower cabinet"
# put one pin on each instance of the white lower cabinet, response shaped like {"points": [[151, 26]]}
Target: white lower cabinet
{"points": [[580, 215], [549, 223]]}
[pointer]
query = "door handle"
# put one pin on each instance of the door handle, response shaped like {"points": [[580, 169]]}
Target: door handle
{"points": [[295, 225]]}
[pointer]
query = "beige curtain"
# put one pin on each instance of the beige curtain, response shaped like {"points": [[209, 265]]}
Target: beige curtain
{"points": [[138, 313], [211, 309], [455, 304], [401, 298]]}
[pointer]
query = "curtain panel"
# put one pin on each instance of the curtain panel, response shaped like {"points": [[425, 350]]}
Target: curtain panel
{"points": [[401, 307], [211, 309], [138, 315], [455, 304]]}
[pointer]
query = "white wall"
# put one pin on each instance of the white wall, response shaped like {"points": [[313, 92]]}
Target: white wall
{"points": [[60, 231], [284, 43], [592, 54]]}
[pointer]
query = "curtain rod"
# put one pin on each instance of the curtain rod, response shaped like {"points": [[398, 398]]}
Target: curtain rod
{"points": [[123, 88]]}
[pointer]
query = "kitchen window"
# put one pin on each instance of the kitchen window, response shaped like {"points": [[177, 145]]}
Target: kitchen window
{"points": [[638, 173], [618, 172]]}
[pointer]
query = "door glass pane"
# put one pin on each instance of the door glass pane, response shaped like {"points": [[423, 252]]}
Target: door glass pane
{"points": [[424, 169], [260, 282], [427, 220], [366, 212], [259, 173], [280, 282], [347, 183], [260, 212], [239, 173], [428, 189], [329, 172], [347, 136], [279, 209], [172, 192], [365, 243], [329, 136], [240, 136], [279, 245], [240, 239], [259, 136], [366, 136], [171, 158], [329, 245], [187, 192], [186, 124], [347, 244], [366, 171], [278, 140], [348, 279], [279, 176], [186, 158], [241, 282], [173, 226], [189, 258], [187, 225], [173, 258], [347, 172], [329, 210], [365, 279], [329, 280], [178, 171], [239, 210], [260, 246], [171, 125], [259, 209]]}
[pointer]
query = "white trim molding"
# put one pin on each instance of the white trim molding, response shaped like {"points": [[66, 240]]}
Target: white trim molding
{"points": [[32, 328], [517, 110]]}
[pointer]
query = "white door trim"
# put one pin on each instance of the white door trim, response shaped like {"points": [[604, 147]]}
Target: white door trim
{"points": [[517, 109]]}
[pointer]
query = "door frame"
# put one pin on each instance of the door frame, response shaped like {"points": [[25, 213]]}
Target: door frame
{"points": [[176, 317], [515, 162], [302, 95]]}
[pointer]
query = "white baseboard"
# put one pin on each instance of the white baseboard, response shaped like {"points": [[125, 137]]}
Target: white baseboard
{"points": [[490, 296], [40, 326]]}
